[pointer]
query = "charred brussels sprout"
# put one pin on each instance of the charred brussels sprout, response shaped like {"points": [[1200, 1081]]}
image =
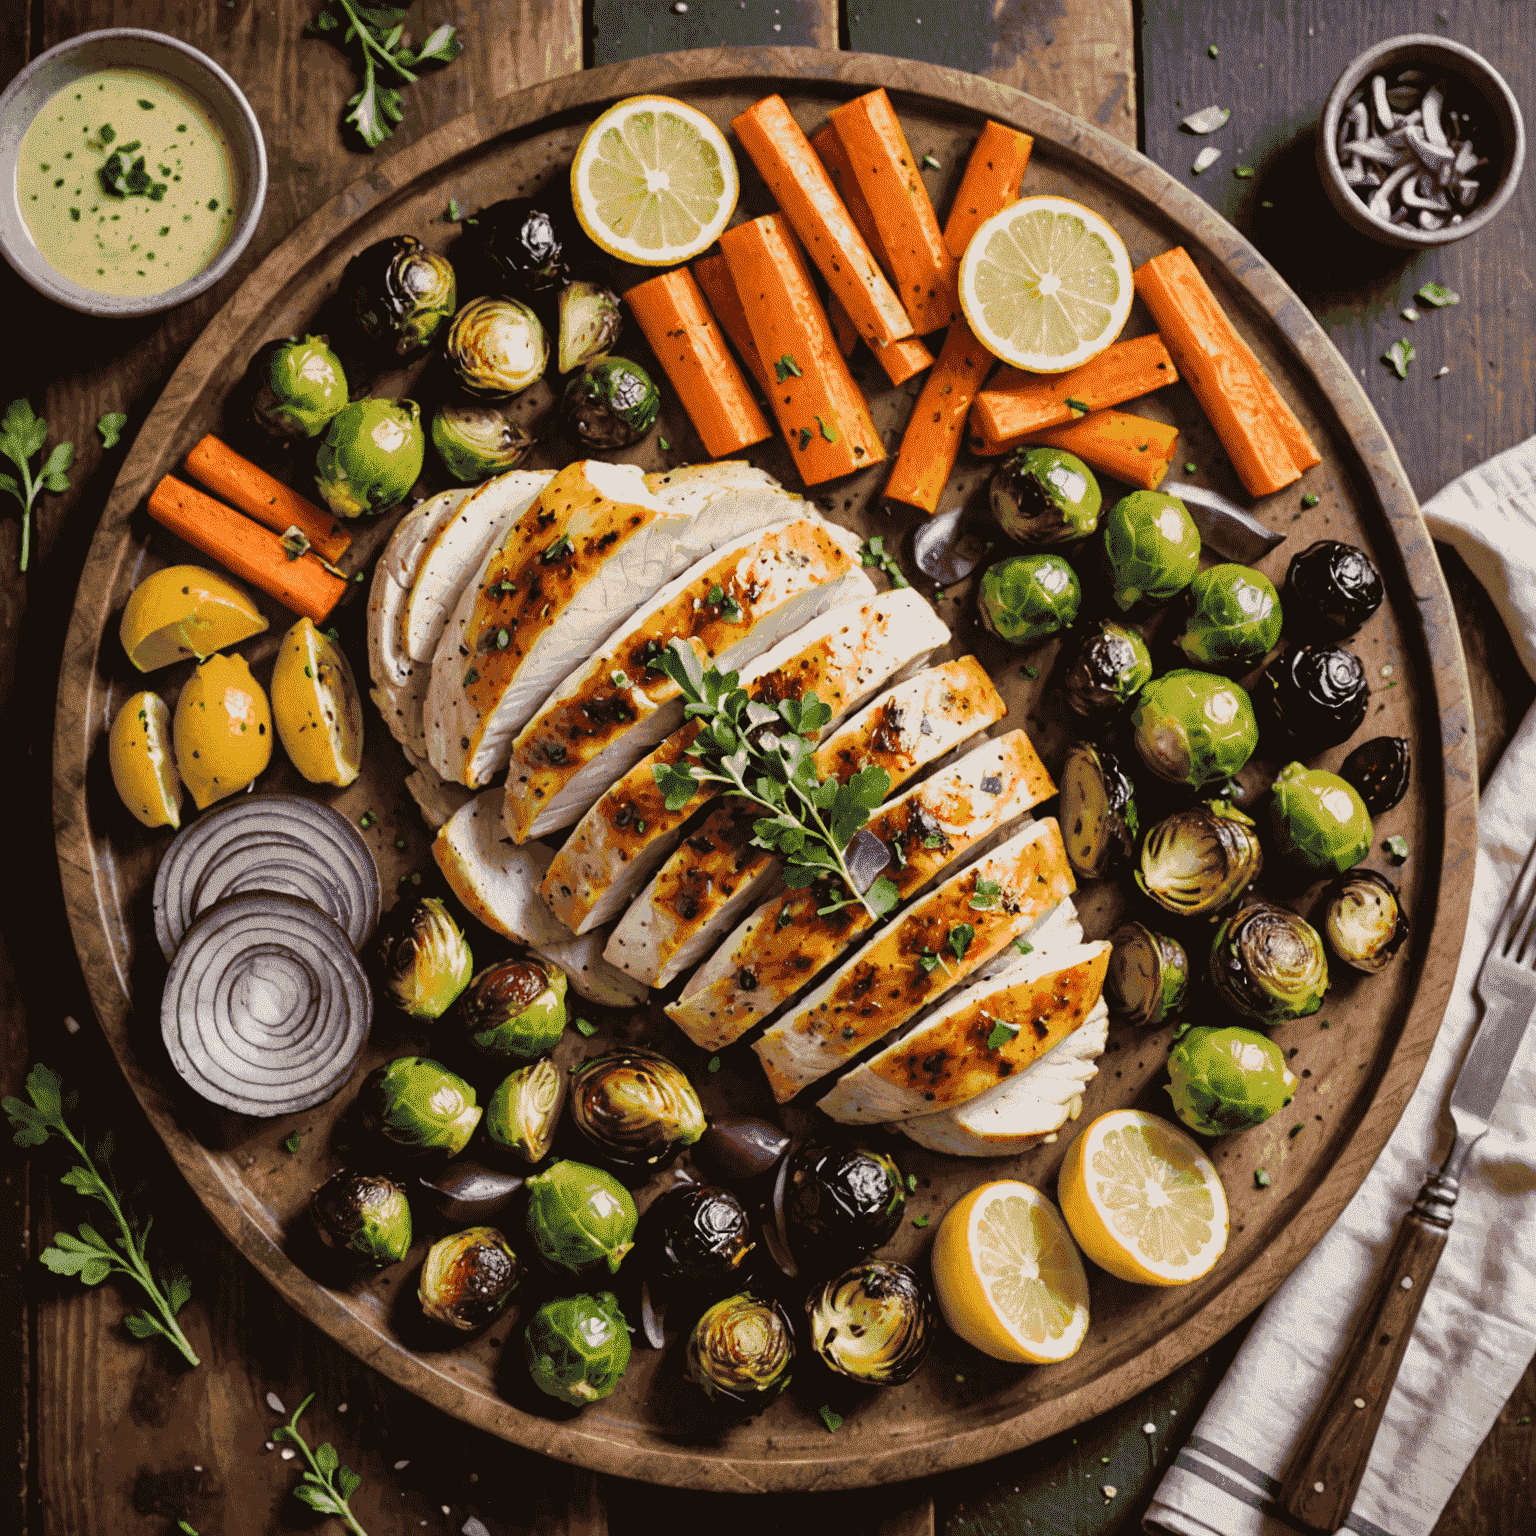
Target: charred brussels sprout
{"points": [[1199, 860], [530, 244], [698, 1236], [577, 1347], [425, 958], [610, 404], [364, 1214], [496, 347], [515, 1009], [580, 1217], [635, 1107], [525, 1109], [420, 1106], [738, 1148], [1029, 597], [1098, 811], [1148, 975], [1193, 728], [742, 1350], [1318, 819], [590, 322], [874, 1323], [1111, 667], [371, 456], [400, 293], [1319, 693], [478, 440], [1331, 589], [300, 385], [1234, 619], [1223, 1080], [1267, 962], [840, 1203], [1152, 547], [1379, 772], [468, 1277], [1045, 497], [1365, 921]]}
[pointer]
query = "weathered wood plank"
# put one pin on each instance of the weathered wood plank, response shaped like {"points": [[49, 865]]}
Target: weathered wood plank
{"points": [[623, 30]]}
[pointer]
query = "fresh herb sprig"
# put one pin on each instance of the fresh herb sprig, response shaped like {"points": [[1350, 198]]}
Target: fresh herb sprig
{"points": [[327, 1485], [23, 434], [90, 1255], [763, 754]]}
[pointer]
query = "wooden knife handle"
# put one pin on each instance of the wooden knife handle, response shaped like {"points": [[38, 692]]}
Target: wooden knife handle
{"points": [[1319, 1488]]}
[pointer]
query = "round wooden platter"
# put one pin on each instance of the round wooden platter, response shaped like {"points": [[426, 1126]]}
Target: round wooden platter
{"points": [[1358, 1059]]}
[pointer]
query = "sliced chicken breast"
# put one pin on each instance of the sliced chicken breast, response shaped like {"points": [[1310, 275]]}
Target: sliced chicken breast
{"points": [[608, 713], [716, 874], [435, 798], [975, 1039], [690, 486], [782, 946], [497, 881], [582, 961], [843, 656]]}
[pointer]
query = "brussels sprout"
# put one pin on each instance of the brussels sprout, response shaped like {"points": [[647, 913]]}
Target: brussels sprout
{"points": [[363, 1213], [1318, 819], [1331, 589], [1045, 497], [698, 1235], [300, 385], [1379, 772], [400, 293], [1111, 667], [1194, 729], [577, 1347], [425, 958], [1319, 694], [468, 1277], [1199, 860], [738, 1148], [743, 1350], [1234, 618], [1148, 975], [1365, 921], [478, 440], [420, 1106], [1152, 547], [590, 322], [525, 1109], [530, 244], [1267, 962], [371, 456], [515, 1009], [840, 1203], [635, 1107], [874, 1323], [496, 347], [610, 404], [1229, 1079], [579, 1217], [1098, 811], [1029, 597]]}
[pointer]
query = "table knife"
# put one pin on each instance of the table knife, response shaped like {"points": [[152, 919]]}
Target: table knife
{"points": [[1222, 524], [1319, 1488]]}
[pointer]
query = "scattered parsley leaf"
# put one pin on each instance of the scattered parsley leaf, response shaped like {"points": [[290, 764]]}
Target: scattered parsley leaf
{"points": [[1191, 468], [1397, 848], [714, 1063], [293, 1142], [1309, 500], [919, 1221], [1437, 295], [1212, 51], [452, 214], [1243, 172], [1398, 356], [1029, 671], [664, 445], [986, 896], [586, 1027], [959, 939], [932, 163], [1001, 1034], [833, 1421], [1261, 1179], [787, 368], [873, 552], [111, 428], [23, 435], [1295, 1131], [1023, 946], [1077, 405], [911, 1183]]}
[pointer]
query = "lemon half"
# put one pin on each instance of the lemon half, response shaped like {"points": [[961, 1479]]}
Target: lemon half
{"points": [[139, 754], [182, 613], [316, 705], [222, 730]]}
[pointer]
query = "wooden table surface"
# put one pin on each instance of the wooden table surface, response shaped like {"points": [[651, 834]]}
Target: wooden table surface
{"points": [[112, 1437]]}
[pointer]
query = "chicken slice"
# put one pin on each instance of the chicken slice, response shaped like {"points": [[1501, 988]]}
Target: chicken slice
{"points": [[494, 879]]}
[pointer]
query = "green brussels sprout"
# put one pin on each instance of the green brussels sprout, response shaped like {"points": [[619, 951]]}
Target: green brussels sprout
{"points": [[401, 293], [1234, 619], [468, 1277], [515, 1010], [1267, 963], [590, 322], [497, 347], [1365, 922], [1193, 728], [300, 386], [363, 1213], [742, 1349], [635, 1106], [580, 1216], [1152, 547], [1045, 497], [425, 958], [525, 1109], [577, 1347], [1319, 819], [478, 440], [1200, 859], [1029, 597], [1148, 975], [1229, 1079], [420, 1106], [371, 456], [610, 404], [1111, 667]]}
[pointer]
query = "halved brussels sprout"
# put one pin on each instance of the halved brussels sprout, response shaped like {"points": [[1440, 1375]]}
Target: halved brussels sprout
{"points": [[1318, 818], [468, 1277], [515, 1009], [364, 1214], [699, 1236], [1199, 860], [580, 1217], [1148, 975], [1045, 497], [1029, 597], [1098, 811], [610, 404], [1194, 728], [496, 347], [525, 1110], [371, 456], [1224, 1080], [874, 1323], [478, 440], [530, 243], [1365, 922], [1379, 771], [1267, 962], [1152, 547], [300, 386], [420, 1106], [1319, 693], [577, 1347], [590, 322], [840, 1203], [1111, 667], [425, 958], [1234, 618], [400, 293], [1331, 589], [635, 1107], [743, 1350]]}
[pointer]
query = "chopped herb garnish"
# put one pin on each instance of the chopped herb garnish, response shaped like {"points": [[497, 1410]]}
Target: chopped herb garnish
{"points": [[1023, 946], [1309, 500], [1243, 172], [586, 1027], [960, 937], [805, 437], [1437, 295], [986, 895], [911, 1183], [1212, 52], [1190, 467], [919, 1221], [1029, 671], [833, 1420], [664, 445], [932, 163], [1077, 405], [472, 676], [829, 433], [558, 550], [787, 368], [619, 679], [1397, 848], [873, 552], [714, 1064], [715, 594], [784, 919], [1398, 356], [1260, 1178], [1295, 1131], [452, 215], [291, 1143], [1001, 1034], [503, 639], [111, 425]]}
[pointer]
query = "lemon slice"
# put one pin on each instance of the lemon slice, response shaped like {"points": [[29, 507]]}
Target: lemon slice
{"points": [[1046, 284], [316, 707], [185, 612], [1007, 1277], [654, 181], [1142, 1199], [139, 754], [222, 730]]}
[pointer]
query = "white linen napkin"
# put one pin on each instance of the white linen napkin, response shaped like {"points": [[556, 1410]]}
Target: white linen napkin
{"points": [[1477, 1330]]}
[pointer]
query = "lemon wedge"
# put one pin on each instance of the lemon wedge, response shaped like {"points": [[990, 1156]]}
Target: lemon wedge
{"points": [[1046, 284], [1007, 1276], [139, 754], [185, 612], [317, 708], [1142, 1199], [653, 181], [222, 730]]}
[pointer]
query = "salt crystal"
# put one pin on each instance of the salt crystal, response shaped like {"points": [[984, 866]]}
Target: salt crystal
{"points": [[275, 1403], [71, 1023], [197, 1469], [341, 1407], [680, 9], [1149, 1429], [1442, 373], [286, 1453], [267, 1446], [1110, 1490], [446, 1509]]}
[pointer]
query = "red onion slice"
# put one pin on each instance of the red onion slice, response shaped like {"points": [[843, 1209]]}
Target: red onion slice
{"points": [[266, 1005], [278, 843]]}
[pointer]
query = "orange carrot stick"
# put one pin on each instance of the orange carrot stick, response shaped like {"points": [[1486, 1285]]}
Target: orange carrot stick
{"points": [[800, 186], [691, 349], [1130, 448], [990, 184], [844, 329], [719, 288], [903, 360], [824, 417], [246, 549], [1268, 447], [931, 443], [269, 501]]}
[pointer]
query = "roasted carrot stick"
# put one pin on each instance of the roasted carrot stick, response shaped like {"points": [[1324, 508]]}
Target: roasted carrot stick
{"points": [[800, 186], [990, 184], [1130, 448], [269, 501], [1268, 447], [824, 417], [691, 349], [844, 329], [931, 443], [719, 288], [246, 549], [903, 360]]}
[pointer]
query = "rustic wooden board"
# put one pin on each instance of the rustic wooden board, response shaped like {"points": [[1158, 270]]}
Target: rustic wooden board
{"points": [[961, 1408]]}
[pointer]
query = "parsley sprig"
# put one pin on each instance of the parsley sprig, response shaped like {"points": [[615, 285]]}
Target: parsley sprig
{"points": [[763, 754], [90, 1255], [327, 1485], [23, 434]]}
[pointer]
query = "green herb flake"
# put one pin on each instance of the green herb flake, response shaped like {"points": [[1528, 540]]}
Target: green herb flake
{"points": [[1243, 172], [1294, 1132], [452, 215], [872, 552], [714, 1064], [1398, 356], [1029, 671], [111, 428], [1397, 848], [292, 1143], [1309, 500], [558, 550], [1437, 295], [1077, 405], [715, 595], [1261, 1179], [586, 1027], [832, 1419], [1001, 1034], [932, 163], [829, 433], [1212, 52], [503, 639], [959, 939], [787, 368], [986, 896], [664, 445], [366, 820], [1190, 467], [1023, 946], [106, 133], [471, 676], [619, 679], [74, 213], [805, 438], [919, 1222], [400, 842], [911, 1183]]}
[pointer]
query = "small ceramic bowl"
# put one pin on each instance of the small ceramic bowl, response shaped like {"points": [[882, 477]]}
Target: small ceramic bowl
{"points": [[1499, 132], [178, 61]]}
